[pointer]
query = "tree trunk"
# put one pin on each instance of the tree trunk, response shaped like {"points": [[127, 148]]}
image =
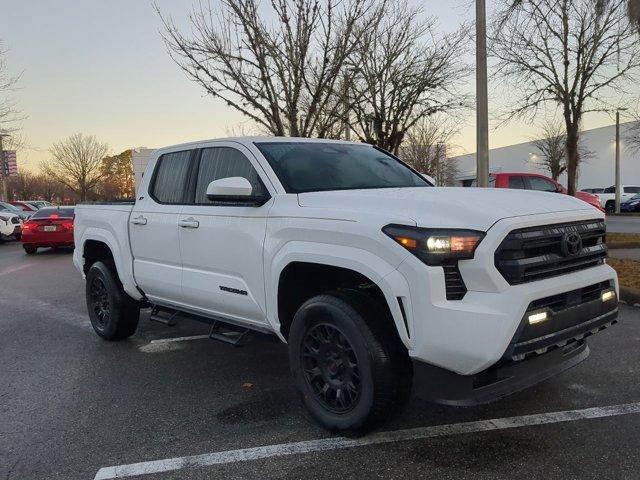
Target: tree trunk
{"points": [[573, 158]]}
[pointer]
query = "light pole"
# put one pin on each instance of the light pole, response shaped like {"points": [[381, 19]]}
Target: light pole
{"points": [[618, 193], [482, 101]]}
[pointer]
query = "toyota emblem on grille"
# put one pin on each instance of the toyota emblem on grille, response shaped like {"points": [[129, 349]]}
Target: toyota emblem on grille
{"points": [[571, 244]]}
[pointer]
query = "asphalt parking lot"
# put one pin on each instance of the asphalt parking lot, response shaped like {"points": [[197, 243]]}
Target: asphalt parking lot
{"points": [[72, 406]]}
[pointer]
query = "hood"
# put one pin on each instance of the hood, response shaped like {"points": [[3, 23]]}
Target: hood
{"points": [[445, 207]]}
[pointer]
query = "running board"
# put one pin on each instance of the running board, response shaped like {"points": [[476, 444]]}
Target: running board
{"points": [[156, 317], [227, 334]]}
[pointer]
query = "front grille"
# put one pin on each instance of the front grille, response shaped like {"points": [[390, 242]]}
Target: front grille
{"points": [[453, 282], [535, 253], [15, 220]]}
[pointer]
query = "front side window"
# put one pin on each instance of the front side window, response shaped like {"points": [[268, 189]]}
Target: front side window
{"points": [[313, 167], [610, 190], [516, 182], [542, 184], [224, 162], [169, 183]]}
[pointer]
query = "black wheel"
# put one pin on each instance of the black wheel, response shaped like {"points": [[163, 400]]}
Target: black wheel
{"points": [[347, 361], [610, 206], [113, 314], [18, 237], [30, 250]]}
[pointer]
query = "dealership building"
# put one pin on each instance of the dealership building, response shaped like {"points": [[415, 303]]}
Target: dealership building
{"points": [[598, 170]]}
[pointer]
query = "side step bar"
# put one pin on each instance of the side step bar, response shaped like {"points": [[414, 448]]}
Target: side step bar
{"points": [[222, 330]]}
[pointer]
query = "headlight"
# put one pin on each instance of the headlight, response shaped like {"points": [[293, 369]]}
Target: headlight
{"points": [[436, 246]]}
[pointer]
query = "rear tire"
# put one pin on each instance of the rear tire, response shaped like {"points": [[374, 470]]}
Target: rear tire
{"points": [[30, 250], [348, 364], [114, 314], [610, 207]]}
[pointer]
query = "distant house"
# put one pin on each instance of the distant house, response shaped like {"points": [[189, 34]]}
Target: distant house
{"points": [[596, 171]]}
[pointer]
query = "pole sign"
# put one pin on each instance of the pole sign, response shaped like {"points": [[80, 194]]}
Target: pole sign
{"points": [[9, 164]]}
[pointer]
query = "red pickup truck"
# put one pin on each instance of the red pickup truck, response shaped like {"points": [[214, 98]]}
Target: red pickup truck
{"points": [[535, 181]]}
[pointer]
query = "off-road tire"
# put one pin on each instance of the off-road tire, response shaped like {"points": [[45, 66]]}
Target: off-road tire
{"points": [[114, 314], [382, 362]]}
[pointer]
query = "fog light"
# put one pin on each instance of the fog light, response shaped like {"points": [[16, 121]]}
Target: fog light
{"points": [[608, 295], [538, 317]]}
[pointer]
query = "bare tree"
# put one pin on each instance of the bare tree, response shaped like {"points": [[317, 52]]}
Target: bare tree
{"points": [[281, 74], [403, 72], [567, 53], [427, 146], [632, 133], [76, 163], [552, 145], [9, 114], [633, 7]]}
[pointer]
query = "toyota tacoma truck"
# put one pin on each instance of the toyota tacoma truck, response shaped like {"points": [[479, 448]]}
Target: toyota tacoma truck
{"points": [[379, 283]]}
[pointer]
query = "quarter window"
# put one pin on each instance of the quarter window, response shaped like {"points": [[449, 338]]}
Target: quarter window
{"points": [[171, 177], [224, 162]]}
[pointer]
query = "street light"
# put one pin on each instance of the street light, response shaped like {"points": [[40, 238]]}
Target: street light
{"points": [[482, 101], [618, 157]]}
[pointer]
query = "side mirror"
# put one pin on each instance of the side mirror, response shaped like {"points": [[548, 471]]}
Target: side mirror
{"points": [[234, 190]]}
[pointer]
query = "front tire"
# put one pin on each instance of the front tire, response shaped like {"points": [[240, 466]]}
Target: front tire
{"points": [[347, 361], [114, 314]]}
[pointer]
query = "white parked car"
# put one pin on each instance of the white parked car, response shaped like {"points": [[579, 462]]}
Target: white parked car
{"points": [[608, 197], [10, 226], [377, 280]]}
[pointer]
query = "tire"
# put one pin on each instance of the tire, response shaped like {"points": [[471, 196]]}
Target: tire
{"points": [[114, 314], [610, 207], [18, 237], [30, 250], [340, 342]]}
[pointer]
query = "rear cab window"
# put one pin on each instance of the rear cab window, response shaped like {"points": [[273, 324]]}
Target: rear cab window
{"points": [[169, 183]]}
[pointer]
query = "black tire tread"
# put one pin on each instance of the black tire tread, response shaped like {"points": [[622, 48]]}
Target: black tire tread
{"points": [[126, 311]]}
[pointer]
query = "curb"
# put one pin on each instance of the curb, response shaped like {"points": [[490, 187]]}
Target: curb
{"points": [[630, 296]]}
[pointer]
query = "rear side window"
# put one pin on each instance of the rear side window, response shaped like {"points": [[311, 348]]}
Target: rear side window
{"points": [[171, 173], [224, 162], [516, 182], [61, 212]]}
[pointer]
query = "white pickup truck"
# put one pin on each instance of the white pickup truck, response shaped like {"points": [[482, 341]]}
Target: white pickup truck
{"points": [[378, 281]]}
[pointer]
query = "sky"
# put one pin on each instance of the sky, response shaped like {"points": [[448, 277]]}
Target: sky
{"points": [[101, 68]]}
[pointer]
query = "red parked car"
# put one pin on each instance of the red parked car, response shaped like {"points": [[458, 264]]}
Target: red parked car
{"points": [[24, 206], [48, 227], [535, 181]]}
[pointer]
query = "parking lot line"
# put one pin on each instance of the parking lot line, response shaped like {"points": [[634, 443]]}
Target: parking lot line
{"points": [[338, 443], [179, 339], [17, 268]]}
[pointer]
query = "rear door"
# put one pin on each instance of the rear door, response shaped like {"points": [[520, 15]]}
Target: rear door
{"points": [[153, 228], [222, 243]]}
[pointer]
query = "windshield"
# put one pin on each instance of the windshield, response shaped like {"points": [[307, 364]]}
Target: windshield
{"points": [[9, 208], [635, 197], [313, 167]]}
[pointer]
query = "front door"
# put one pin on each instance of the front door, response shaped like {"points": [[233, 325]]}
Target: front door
{"points": [[154, 232], [222, 244]]}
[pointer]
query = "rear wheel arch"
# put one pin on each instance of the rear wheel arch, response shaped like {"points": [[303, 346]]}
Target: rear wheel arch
{"points": [[97, 251]]}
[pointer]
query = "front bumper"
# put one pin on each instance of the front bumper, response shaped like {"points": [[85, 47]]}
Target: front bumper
{"points": [[469, 336]]}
